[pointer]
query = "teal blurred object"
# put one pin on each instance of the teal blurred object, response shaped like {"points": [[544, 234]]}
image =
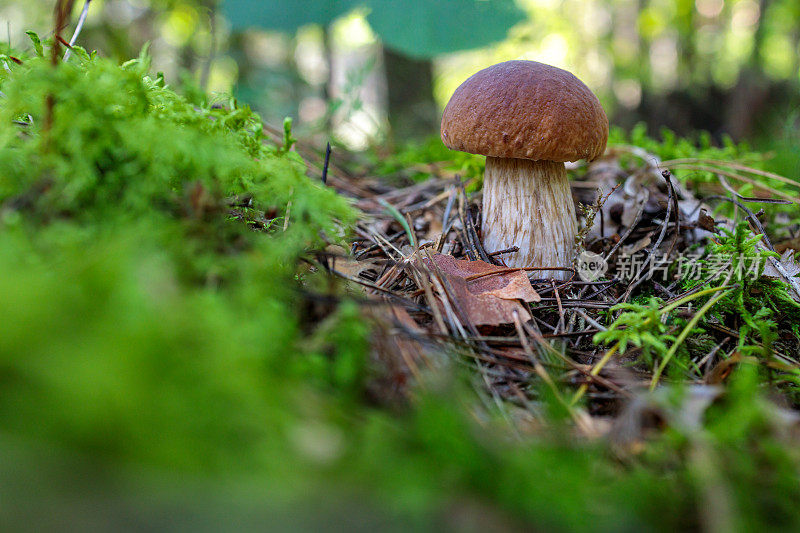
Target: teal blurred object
{"points": [[416, 28]]}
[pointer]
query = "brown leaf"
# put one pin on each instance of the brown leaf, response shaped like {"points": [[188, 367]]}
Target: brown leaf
{"points": [[483, 278], [707, 222], [482, 309], [344, 263], [638, 246], [486, 294]]}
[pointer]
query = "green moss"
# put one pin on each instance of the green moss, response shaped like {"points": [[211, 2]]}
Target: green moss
{"points": [[144, 319]]}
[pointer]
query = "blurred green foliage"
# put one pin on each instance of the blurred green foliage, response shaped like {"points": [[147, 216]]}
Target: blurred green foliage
{"points": [[668, 145], [143, 318], [700, 148], [780, 142], [422, 160]]}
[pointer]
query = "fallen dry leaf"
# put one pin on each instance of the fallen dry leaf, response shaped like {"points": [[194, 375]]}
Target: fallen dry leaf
{"points": [[641, 244], [486, 294], [483, 278], [344, 263]]}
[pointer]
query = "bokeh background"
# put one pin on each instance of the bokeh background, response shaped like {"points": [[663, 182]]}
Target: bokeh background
{"points": [[366, 72]]}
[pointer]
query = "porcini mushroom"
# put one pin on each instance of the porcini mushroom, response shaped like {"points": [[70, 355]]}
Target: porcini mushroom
{"points": [[527, 118]]}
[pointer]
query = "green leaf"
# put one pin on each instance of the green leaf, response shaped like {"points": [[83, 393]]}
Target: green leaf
{"points": [[37, 43], [81, 52], [417, 28], [433, 27], [284, 15]]}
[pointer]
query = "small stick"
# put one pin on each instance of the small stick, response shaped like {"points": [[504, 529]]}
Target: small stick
{"points": [[326, 163], [560, 325], [448, 208], [506, 251]]}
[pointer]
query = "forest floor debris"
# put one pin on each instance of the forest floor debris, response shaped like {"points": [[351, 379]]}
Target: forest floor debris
{"points": [[664, 296]]}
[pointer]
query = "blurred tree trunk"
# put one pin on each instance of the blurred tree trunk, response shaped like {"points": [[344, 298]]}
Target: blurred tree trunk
{"points": [[327, 87], [687, 32], [749, 97], [208, 61], [411, 108], [645, 72], [759, 35]]}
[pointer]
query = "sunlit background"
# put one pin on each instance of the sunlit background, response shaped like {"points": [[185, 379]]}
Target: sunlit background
{"points": [[725, 66]]}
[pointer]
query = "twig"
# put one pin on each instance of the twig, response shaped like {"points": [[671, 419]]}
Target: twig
{"points": [[672, 204], [326, 163], [595, 372], [731, 164], [630, 228], [754, 183], [750, 217]]}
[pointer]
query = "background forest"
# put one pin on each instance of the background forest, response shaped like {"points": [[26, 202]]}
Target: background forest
{"points": [[352, 68]]}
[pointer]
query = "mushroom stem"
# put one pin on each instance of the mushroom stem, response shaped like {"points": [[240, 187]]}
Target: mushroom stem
{"points": [[529, 204]]}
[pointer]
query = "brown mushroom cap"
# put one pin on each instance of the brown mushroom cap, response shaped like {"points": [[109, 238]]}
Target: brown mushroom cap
{"points": [[525, 110]]}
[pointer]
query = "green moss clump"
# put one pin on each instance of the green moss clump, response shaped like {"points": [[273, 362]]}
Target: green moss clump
{"points": [[149, 253]]}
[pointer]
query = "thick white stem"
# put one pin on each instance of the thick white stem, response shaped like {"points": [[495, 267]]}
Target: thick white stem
{"points": [[529, 204]]}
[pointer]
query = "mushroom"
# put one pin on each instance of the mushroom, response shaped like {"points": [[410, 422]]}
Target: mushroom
{"points": [[527, 118]]}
